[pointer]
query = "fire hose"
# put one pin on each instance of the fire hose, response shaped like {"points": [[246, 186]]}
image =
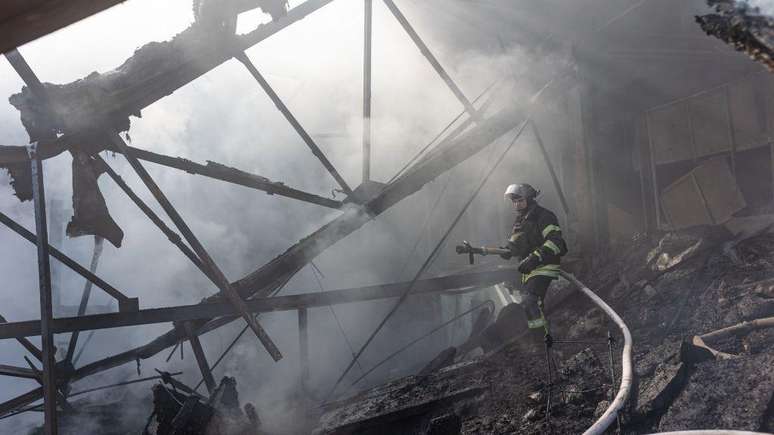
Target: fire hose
{"points": [[611, 413]]}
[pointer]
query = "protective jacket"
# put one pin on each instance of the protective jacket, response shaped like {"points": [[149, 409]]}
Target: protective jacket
{"points": [[537, 232]]}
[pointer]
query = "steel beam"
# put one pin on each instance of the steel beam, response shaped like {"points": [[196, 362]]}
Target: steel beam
{"points": [[48, 377], [125, 303], [17, 372], [242, 57], [187, 313], [214, 271], [201, 359], [85, 295], [171, 235], [21, 400], [431, 58], [303, 348], [235, 176], [368, 18]]}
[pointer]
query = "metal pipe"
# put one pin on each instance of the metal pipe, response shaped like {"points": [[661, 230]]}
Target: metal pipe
{"points": [[611, 413]]}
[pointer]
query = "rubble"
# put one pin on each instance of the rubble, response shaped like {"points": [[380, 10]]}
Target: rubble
{"points": [[177, 413], [699, 363], [726, 394]]}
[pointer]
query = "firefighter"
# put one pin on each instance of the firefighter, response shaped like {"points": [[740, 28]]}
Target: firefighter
{"points": [[536, 241]]}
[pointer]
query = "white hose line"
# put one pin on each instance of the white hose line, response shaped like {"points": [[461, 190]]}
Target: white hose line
{"points": [[711, 432], [615, 407]]}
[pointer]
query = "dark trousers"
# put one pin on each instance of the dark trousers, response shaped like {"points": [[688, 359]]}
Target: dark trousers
{"points": [[510, 321]]}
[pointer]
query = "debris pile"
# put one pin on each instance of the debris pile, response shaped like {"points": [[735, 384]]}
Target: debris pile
{"points": [[699, 304], [176, 412]]}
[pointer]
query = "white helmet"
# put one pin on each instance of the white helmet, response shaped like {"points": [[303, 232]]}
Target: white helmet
{"points": [[521, 191]]}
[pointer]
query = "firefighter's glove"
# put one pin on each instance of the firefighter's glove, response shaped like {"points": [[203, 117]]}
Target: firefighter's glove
{"points": [[529, 264], [508, 255]]}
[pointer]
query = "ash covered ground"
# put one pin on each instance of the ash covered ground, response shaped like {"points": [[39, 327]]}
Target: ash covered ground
{"points": [[668, 288]]}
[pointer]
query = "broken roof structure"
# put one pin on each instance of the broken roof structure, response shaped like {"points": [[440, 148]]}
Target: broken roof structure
{"points": [[696, 150]]}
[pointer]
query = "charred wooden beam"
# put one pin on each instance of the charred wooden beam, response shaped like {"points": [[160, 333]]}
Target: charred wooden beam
{"points": [[153, 72], [22, 22], [187, 313], [235, 176]]}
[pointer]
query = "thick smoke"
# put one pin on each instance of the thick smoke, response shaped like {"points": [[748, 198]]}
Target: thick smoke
{"points": [[766, 7], [315, 66]]}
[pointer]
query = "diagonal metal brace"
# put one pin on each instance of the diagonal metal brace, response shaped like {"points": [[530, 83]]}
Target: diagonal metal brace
{"points": [[220, 279], [431, 58], [171, 235], [31, 348], [125, 303], [242, 57]]}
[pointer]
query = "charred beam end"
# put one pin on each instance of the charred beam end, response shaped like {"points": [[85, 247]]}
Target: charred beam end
{"points": [[125, 303], [31, 20], [233, 175], [263, 305]]}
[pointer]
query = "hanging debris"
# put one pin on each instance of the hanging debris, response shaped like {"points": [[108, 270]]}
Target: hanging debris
{"points": [[743, 27], [90, 213]]}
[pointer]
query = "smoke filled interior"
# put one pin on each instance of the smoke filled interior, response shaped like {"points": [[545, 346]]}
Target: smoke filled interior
{"points": [[284, 217]]}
